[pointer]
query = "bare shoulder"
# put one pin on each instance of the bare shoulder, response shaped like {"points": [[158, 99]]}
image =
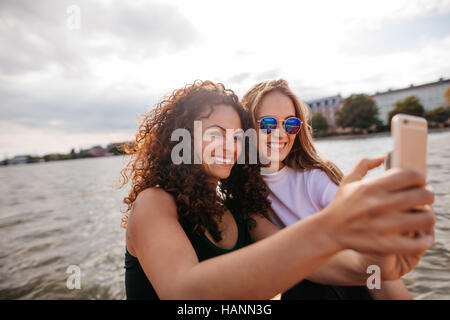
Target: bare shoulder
{"points": [[151, 205], [155, 195], [154, 198]]}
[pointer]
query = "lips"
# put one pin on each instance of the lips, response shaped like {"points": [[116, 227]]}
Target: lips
{"points": [[223, 161], [276, 146]]}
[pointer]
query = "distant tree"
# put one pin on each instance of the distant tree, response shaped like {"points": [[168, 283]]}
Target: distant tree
{"points": [[65, 156], [410, 105], [319, 123], [73, 154], [116, 150], [359, 111], [33, 159], [51, 157], [83, 154], [440, 114]]}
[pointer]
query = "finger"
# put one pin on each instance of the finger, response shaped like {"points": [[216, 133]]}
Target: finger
{"points": [[406, 200], [428, 210], [397, 179], [361, 168], [403, 222], [404, 245]]}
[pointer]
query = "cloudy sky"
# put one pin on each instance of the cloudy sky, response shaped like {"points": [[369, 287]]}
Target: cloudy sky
{"points": [[64, 85]]}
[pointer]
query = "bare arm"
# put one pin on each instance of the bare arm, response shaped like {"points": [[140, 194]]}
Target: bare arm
{"points": [[171, 264], [356, 219], [343, 268]]}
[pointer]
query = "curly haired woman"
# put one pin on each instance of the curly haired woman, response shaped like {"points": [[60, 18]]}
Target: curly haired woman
{"points": [[201, 230]]}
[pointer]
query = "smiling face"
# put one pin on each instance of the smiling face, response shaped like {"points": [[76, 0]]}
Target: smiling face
{"points": [[222, 140], [277, 145]]}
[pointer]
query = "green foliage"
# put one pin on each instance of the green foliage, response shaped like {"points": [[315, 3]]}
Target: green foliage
{"points": [[33, 159], [359, 111], [319, 123], [410, 105], [440, 114], [116, 150]]}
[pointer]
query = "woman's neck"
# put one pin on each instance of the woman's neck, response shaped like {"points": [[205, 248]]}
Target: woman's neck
{"points": [[273, 167]]}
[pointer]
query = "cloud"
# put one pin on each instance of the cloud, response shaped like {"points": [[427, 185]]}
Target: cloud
{"points": [[65, 109], [89, 83], [35, 36], [239, 78], [57, 78], [397, 35], [267, 75]]}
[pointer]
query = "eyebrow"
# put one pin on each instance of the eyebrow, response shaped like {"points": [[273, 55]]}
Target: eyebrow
{"points": [[289, 116], [215, 125]]}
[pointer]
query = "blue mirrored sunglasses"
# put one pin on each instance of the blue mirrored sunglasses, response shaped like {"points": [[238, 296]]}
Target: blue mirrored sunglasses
{"points": [[291, 125]]}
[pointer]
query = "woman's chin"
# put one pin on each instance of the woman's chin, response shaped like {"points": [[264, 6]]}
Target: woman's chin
{"points": [[270, 160], [221, 171]]}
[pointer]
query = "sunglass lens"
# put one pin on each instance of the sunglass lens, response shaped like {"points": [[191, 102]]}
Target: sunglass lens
{"points": [[268, 124], [292, 125]]}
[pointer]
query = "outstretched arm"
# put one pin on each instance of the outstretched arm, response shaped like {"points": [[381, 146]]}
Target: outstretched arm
{"points": [[356, 219], [170, 262], [343, 268]]}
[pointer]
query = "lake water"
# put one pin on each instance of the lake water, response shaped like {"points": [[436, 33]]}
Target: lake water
{"points": [[64, 213]]}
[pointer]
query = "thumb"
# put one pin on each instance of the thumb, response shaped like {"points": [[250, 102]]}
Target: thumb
{"points": [[362, 167]]}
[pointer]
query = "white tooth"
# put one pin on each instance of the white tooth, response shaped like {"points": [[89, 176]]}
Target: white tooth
{"points": [[276, 146], [222, 160]]}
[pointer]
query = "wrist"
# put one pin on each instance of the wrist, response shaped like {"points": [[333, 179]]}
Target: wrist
{"points": [[328, 231]]}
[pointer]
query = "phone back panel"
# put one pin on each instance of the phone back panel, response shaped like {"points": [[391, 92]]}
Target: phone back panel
{"points": [[410, 140]]}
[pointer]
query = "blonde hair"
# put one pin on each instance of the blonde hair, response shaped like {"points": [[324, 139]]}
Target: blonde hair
{"points": [[303, 155]]}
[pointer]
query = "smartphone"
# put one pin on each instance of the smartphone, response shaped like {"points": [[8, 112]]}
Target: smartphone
{"points": [[410, 142], [410, 147]]}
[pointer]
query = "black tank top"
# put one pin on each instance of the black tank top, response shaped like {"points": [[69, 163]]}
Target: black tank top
{"points": [[137, 285]]}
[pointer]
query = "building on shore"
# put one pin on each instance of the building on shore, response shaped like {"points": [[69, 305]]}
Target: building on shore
{"points": [[19, 160], [431, 95], [327, 107], [97, 151]]}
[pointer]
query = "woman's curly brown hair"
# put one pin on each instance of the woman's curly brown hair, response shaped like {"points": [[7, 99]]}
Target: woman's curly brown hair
{"points": [[198, 203]]}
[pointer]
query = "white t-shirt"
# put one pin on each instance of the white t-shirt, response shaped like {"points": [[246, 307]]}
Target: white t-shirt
{"points": [[298, 194]]}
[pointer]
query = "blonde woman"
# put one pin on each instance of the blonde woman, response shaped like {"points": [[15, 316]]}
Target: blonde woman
{"points": [[300, 182], [185, 240]]}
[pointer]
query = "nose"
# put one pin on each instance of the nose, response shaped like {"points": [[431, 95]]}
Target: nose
{"points": [[280, 133], [231, 147]]}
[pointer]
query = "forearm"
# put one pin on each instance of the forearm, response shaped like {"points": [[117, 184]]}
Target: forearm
{"points": [[263, 269], [391, 290], [343, 269]]}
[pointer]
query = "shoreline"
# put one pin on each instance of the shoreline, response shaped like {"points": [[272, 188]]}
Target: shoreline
{"points": [[336, 137], [372, 135]]}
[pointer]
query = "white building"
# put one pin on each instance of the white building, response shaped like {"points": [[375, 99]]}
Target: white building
{"points": [[431, 95], [327, 107]]}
